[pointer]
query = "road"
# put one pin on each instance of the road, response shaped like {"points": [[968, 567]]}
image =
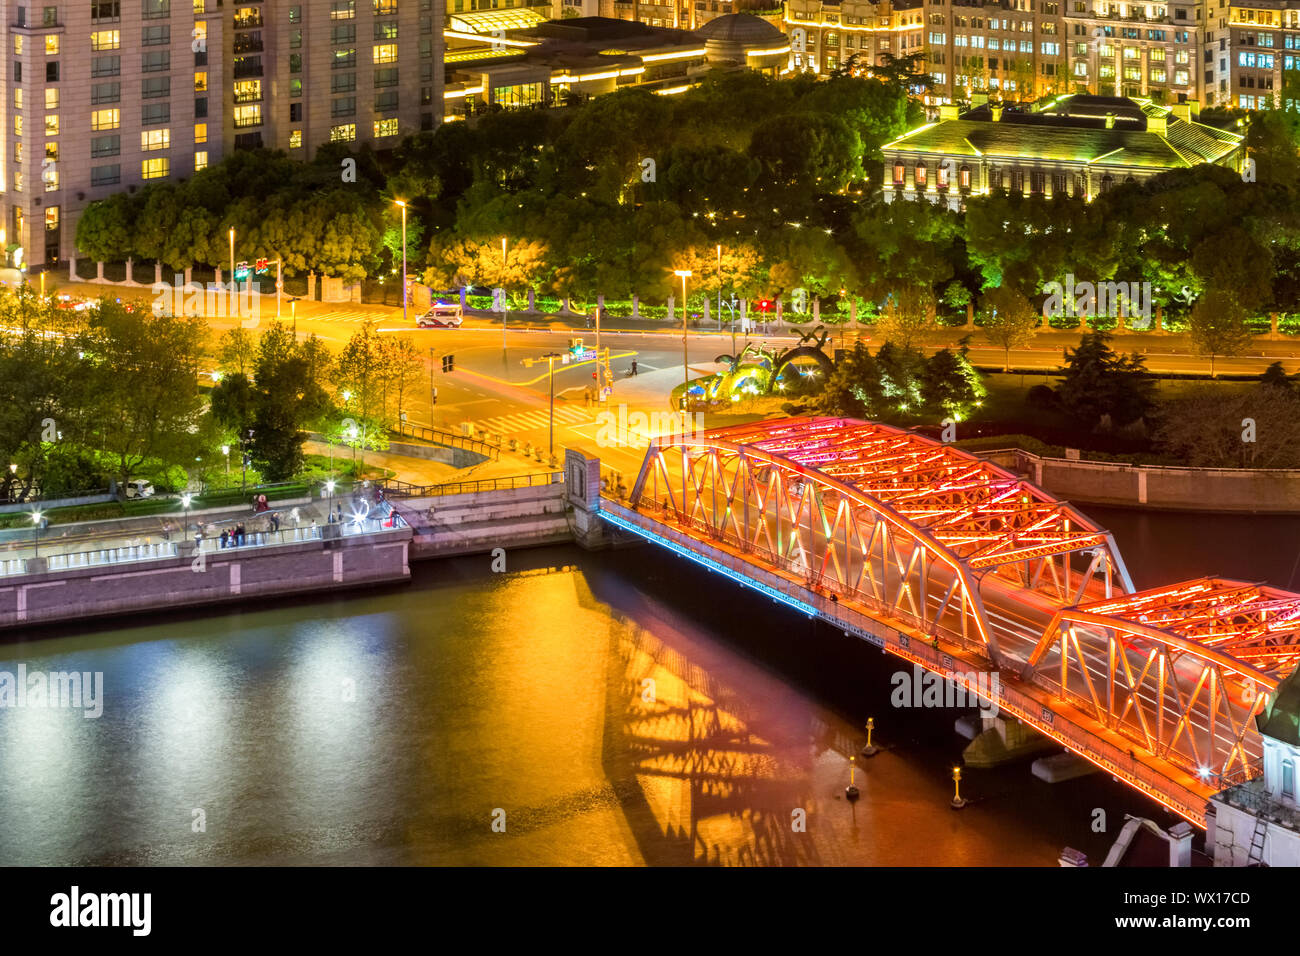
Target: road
{"points": [[494, 389]]}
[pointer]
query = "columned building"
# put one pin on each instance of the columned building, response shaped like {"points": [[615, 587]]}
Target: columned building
{"points": [[110, 95], [1077, 145]]}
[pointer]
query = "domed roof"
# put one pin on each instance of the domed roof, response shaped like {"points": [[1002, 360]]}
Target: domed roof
{"points": [[741, 28]]}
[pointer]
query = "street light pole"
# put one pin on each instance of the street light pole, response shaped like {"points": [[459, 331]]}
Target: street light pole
{"points": [[505, 307], [550, 358], [719, 287], [232, 259], [36, 532], [402, 203], [432, 399], [684, 274]]}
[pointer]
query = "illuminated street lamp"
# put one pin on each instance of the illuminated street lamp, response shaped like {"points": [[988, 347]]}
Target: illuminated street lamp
{"points": [[329, 489], [36, 532], [185, 511], [684, 274], [225, 450], [402, 204]]}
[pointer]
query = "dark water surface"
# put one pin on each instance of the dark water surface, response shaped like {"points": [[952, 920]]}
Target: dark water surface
{"points": [[394, 725]]}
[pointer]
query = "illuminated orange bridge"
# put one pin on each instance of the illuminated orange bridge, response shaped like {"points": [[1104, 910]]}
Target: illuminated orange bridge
{"points": [[958, 565]]}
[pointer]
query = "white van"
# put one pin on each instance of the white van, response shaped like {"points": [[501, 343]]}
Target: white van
{"points": [[441, 317], [139, 488]]}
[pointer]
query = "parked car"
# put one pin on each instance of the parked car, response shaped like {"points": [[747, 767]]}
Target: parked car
{"points": [[441, 317], [139, 488]]}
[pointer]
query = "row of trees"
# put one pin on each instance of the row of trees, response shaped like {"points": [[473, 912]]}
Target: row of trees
{"points": [[637, 171], [113, 392]]}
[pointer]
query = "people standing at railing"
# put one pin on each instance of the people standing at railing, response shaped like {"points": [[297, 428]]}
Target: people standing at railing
{"points": [[225, 537]]}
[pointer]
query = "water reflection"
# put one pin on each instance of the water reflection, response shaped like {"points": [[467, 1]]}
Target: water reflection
{"points": [[393, 726]]}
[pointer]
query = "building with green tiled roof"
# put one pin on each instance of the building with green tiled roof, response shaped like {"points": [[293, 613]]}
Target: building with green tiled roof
{"points": [[1080, 145]]}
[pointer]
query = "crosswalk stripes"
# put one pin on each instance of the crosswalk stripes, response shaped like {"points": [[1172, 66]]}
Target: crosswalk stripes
{"points": [[526, 421], [350, 318]]}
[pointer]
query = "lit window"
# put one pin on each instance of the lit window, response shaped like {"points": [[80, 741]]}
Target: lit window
{"points": [[385, 8], [385, 52], [385, 127], [295, 138], [201, 160], [200, 132], [52, 99], [51, 218], [18, 180], [18, 97], [52, 124], [51, 44], [343, 134], [18, 153], [155, 168], [105, 119], [151, 139], [18, 124], [105, 40], [201, 82], [248, 116], [52, 151], [50, 176], [18, 44]]}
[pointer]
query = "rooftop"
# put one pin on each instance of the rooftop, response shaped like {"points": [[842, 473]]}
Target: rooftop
{"points": [[1074, 129]]}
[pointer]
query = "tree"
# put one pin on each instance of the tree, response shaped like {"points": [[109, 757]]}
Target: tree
{"points": [[1217, 326], [361, 384], [289, 396], [1212, 427], [853, 389], [810, 152], [1098, 381], [104, 229], [236, 352], [908, 316], [949, 385], [144, 377], [1009, 320]]}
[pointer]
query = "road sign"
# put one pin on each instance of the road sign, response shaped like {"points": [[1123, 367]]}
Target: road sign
{"points": [[586, 355]]}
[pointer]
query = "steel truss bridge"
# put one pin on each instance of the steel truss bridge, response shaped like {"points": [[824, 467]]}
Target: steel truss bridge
{"points": [[954, 563]]}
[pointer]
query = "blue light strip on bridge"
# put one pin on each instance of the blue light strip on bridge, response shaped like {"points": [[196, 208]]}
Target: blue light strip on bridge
{"points": [[709, 563]]}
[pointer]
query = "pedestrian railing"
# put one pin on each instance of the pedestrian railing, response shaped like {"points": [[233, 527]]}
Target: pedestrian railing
{"points": [[119, 555], [405, 490], [438, 436], [259, 539]]}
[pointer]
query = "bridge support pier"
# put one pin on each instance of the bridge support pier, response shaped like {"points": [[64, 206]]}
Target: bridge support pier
{"points": [[582, 482], [1003, 740]]}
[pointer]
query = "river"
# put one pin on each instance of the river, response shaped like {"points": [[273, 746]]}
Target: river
{"points": [[614, 708]]}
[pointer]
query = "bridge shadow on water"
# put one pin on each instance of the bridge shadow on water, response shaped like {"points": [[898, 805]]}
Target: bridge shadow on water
{"points": [[710, 747]]}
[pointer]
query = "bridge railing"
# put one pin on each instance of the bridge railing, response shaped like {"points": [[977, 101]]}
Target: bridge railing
{"points": [[810, 578]]}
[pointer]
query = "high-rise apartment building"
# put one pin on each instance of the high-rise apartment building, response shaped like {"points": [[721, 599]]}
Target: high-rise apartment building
{"points": [[1024, 49], [105, 95]]}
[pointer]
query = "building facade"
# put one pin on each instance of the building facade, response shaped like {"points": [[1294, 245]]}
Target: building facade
{"points": [[1257, 823], [1025, 49], [110, 95], [1076, 145]]}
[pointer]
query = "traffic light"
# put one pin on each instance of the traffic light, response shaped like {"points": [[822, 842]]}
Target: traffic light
{"points": [[261, 265], [764, 305], [449, 363]]}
